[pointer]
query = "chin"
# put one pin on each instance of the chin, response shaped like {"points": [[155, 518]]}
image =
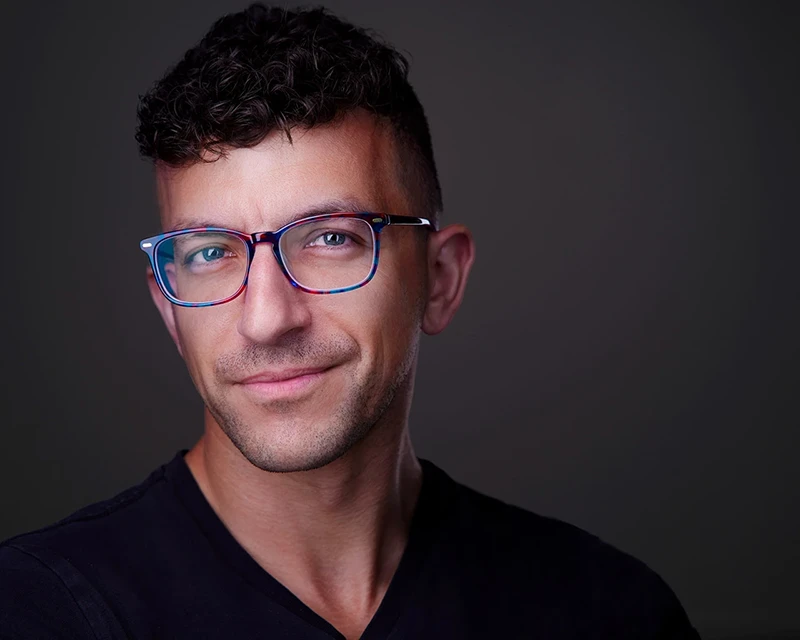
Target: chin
{"points": [[288, 443], [305, 433], [289, 462], [296, 454]]}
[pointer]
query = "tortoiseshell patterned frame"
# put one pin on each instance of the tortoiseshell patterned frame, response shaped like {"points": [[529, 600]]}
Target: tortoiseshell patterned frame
{"points": [[377, 221]]}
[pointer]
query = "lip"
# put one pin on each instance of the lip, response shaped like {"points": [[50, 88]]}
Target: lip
{"points": [[272, 385], [284, 375]]}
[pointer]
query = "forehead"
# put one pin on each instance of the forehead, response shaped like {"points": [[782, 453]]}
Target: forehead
{"points": [[263, 187]]}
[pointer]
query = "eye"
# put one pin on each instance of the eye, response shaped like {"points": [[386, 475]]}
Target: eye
{"points": [[329, 239], [207, 254]]}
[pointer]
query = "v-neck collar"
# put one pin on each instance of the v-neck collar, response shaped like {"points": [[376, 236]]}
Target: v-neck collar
{"points": [[423, 532]]}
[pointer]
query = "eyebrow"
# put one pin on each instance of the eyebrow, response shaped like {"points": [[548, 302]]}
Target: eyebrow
{"points": [[335, 205]]}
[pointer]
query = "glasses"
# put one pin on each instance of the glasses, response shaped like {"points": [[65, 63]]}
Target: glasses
{"points": [[330, 253]]}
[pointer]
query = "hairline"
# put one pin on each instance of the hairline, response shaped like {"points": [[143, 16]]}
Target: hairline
{"points": [[407, 159]]}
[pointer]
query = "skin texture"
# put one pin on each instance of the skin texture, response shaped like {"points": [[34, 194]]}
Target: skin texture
{"points": [[317, 483]]}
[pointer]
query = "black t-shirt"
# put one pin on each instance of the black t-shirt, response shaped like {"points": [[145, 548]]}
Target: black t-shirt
{"points": [[157, 562]]}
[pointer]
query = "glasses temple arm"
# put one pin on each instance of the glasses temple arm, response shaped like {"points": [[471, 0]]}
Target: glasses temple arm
{"points": [[410, 221]]}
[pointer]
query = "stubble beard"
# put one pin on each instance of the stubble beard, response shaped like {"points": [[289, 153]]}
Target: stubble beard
{"points": [[304, 447]]}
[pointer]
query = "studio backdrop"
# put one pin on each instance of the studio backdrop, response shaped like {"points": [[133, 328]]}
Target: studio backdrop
{"points": [[626, 357]]}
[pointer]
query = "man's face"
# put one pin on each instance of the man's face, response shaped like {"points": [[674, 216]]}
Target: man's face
{"points": [[357, 349]]}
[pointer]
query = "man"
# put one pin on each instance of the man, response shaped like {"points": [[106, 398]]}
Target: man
{"points": [[301, 259]]}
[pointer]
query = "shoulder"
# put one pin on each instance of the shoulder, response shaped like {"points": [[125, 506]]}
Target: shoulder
{"points": [[559, 566], [510, 529], [48, 576], [98, 522], [35, 601]]}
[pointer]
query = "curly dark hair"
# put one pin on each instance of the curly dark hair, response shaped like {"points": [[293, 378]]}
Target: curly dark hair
{"points": [[268, 68]]}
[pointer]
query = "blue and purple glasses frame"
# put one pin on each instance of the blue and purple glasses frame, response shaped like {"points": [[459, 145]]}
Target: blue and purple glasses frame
{"points": [[376, 221]]}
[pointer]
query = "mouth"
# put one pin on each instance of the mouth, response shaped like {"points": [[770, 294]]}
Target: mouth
{"points": [[271, 385]]}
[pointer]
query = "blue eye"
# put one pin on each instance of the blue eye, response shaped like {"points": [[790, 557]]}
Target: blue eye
{"points": [[213, 253], [330, 239], [334, 239], [206, 254]]}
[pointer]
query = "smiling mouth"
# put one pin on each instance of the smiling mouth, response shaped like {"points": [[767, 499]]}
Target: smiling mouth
{"points": [[282, 375], [289, 382]]}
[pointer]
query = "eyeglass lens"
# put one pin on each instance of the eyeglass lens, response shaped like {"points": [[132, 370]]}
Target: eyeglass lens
{"points": [[210, 266]]}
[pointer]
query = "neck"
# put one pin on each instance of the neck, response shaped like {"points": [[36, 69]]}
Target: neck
{"points": [[334, 535]]}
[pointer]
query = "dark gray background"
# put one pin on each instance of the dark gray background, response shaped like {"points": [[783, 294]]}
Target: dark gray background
{"points": [[626, 358]]}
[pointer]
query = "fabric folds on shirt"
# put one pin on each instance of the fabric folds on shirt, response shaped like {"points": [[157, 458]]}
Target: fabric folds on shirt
{"points": [[157, 562]]}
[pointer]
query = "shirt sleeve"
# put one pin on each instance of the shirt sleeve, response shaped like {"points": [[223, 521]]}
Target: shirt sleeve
{"points": [[35, 602]]}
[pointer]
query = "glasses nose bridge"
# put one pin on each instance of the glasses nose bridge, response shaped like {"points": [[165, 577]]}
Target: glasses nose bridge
{"points": [[265, 236]]}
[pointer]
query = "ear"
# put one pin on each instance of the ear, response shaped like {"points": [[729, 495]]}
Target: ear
{"points": [[165, 308], [451, 252]]}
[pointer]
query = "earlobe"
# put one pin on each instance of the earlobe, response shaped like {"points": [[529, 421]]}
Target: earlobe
{"points": [[451, 253], [165, 308]]}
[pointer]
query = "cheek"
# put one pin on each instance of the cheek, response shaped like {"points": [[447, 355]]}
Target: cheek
{"points": [[403, 282], [388, 313], [202, 333]]}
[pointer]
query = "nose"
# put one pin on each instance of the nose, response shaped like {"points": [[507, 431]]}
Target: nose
{"points": [[273, 307]]}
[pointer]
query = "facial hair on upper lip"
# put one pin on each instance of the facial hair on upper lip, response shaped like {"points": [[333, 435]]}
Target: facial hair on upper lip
{"points": [[305, 354]]}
